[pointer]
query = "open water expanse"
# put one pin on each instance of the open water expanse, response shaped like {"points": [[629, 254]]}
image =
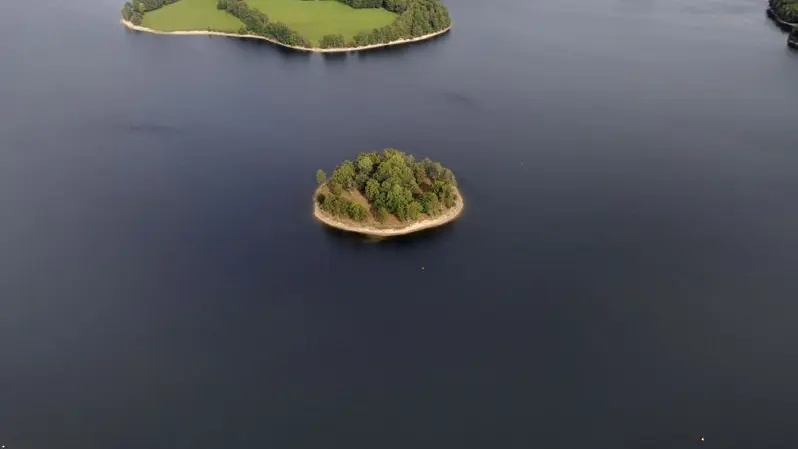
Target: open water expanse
{"points": [[624, 275]]}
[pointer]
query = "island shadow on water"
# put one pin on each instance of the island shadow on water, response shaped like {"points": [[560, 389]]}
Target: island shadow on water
{"points": [[240, 42], [390, 51], [260, 46], [290, 54], [335, 59]]}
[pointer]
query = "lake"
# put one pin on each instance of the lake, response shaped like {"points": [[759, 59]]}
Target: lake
{"points": [[624, 274]]}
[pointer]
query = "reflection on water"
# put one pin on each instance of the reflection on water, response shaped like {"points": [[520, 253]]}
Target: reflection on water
{"points": [[417, 238]]}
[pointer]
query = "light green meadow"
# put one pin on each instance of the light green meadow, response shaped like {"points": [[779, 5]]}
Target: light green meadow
{"points": [[190, 15], [311, 19], [314, 19]]}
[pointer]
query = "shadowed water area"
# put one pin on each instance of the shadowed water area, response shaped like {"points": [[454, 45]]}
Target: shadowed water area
{"points": [[624, 274]]}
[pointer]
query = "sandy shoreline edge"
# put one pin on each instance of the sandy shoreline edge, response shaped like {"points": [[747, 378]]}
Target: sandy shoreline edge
{"points": [[447, 217], [133, 27]]}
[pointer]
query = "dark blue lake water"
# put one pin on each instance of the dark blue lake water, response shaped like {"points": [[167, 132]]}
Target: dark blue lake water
{"points": [[624, 275]]}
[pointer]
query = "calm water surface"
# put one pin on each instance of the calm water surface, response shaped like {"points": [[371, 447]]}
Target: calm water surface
{"points": [[624, 275]]}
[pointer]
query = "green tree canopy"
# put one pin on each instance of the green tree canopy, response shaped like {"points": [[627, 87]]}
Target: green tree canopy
{"points": [[344, 175], [786, 10], [321, 177], [390, 183], [332, 41]]}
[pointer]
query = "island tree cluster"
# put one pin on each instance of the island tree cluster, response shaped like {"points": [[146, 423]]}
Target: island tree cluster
{"points": [[786, 10], [416, 18], [391, 183]]}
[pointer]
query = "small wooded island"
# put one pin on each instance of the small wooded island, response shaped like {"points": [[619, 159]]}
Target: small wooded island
{"points": [[785, 11], [387, 194], [785, 14], [307, 25]]}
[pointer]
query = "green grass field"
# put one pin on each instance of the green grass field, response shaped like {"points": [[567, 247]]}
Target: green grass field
{"points": [[187, 15], [312, 19]]}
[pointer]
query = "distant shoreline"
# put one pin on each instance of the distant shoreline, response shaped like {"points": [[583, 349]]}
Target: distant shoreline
{"points": [[447, 217], [142, 29]]}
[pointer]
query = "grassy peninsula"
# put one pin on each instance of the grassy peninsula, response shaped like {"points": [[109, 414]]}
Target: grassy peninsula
{"points": [[302, 24], [387, 193]]}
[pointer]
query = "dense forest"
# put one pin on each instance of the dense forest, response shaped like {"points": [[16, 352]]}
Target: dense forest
{"points": [[786, 10], [416, 18], [377, 185]]}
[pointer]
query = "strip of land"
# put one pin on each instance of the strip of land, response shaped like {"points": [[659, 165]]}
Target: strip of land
{"points": [[446, 217], [131, 26]]}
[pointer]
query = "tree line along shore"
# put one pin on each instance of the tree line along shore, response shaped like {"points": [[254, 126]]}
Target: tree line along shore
{"points": [[303, 24], [387, 190]]}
